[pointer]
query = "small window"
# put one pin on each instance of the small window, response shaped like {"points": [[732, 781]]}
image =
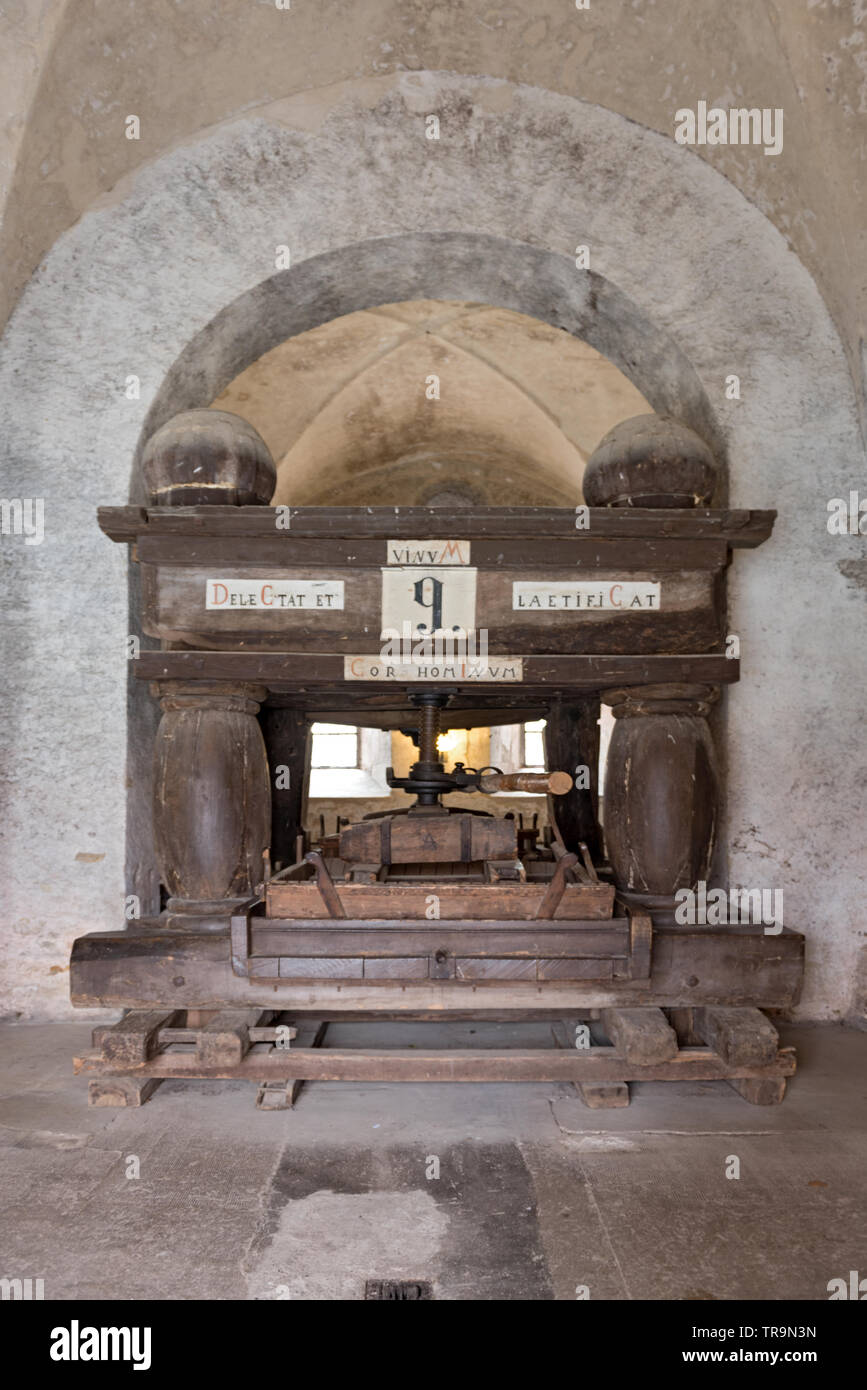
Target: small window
{"points": [[335, 746], [534, 744]]}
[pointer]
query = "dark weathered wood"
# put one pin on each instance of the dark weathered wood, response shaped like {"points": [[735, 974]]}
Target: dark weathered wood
{"points": [[642, 1035], [288, 742], [688, 619], [650, 460], [203, 458], [212, 810], [737, 527], [738, 1035], [682, 1021], [704, 965], [661, 792], [122, 524], [357, 937], [301, 672]]}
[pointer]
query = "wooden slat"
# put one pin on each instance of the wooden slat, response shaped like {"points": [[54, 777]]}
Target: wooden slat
{"points": [[458, 938], [398, 968], [479, 969], [562, 968], [321, 968]]}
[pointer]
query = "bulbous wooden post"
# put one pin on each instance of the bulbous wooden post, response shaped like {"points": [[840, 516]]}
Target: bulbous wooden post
{"points": [[212, 798], [661, 793]]}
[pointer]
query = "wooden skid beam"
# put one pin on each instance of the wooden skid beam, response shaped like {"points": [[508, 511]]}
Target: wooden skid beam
{"points": [[595, 1064]]}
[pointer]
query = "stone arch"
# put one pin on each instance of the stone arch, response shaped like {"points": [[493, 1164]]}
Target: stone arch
{"points": [[444, 266], [171, 280]]}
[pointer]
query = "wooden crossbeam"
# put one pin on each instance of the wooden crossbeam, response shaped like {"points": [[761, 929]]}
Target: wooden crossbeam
{"points": [[596, 1064]]}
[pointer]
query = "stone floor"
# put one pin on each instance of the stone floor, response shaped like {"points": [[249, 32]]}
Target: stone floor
{"points": [[536, 1197]]}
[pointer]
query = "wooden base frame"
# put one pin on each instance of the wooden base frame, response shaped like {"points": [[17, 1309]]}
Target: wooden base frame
{"points": [[131, 1058]]}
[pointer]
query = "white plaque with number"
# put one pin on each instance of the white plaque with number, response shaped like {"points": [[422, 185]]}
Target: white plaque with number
{"points": [[431, 599]]}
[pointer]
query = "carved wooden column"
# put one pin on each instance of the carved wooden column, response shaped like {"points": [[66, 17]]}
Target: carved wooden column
{"points": [[661, 792], [212, 798]]}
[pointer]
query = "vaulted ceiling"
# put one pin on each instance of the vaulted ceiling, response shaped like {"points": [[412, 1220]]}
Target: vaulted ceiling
{"points": [[430, 402]]}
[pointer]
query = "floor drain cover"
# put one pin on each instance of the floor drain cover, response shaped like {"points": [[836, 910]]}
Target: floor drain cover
{"points": [[398, 1288]]}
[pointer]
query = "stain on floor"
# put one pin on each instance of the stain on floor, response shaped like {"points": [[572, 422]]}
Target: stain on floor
{"points": [[463, 1218]]}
